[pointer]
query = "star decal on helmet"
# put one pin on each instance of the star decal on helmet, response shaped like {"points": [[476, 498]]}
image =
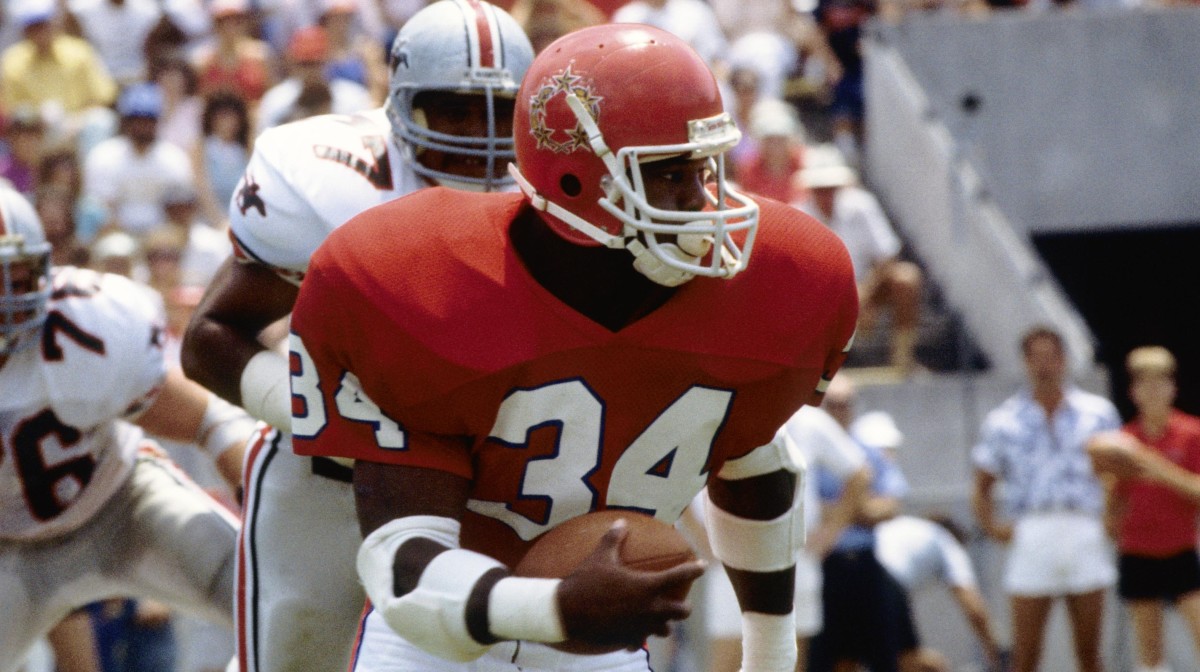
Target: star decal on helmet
{"points": [[545, 108]]}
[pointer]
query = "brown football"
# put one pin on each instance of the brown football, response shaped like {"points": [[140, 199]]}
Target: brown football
{"points": [[651, 545]]}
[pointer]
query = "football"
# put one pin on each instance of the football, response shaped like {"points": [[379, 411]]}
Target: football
{"points": [[651, 545]]}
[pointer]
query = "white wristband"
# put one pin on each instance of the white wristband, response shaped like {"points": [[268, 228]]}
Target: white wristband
{"points": [[266, 389], [524, 608], [768, 642], [222, 426]]}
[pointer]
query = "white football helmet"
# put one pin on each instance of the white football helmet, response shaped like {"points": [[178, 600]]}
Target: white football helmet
{"points": [[24, 273], [458, 46]]}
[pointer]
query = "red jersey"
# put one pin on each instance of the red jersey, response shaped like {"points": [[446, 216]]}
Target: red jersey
{"points": [[419, 338], [1158, 522]]}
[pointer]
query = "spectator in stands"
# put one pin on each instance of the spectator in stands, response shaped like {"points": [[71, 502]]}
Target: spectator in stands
{"points": [[354, 54], [841, 23], [116, 28], [60, 168], [24, 138], [117, 252], [884, 280], [1034, 443], [741, 91], [222, 155], [547, 20], [825, 444], [866, 615], [179, 123], [921, 552], [307, 55], [234, 61], [129, 173], [163, 248], [204, 247], [691, 20], [770, 166], [1153, 506], [56, 207], [59, 75]]}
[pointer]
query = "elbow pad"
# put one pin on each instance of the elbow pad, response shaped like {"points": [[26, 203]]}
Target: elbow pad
{"points": [[433, 616], [266, 389]]}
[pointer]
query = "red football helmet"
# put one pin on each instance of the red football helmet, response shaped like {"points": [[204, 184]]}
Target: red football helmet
{"points": [[598, 103]]}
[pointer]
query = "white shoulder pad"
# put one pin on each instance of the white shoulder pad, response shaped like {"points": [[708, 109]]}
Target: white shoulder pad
{"points": [[306, 178], [102, 345]]}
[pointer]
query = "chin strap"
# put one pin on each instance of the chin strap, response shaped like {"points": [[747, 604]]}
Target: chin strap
{"points": [[659, 271], [644, 261]]}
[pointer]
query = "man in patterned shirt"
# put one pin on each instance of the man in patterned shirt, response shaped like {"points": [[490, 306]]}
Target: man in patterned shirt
{"points": [[1035, 443]]}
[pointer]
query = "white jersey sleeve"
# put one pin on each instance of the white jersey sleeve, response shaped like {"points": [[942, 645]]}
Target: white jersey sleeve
{"points": [[306, 178], [99, 360]]}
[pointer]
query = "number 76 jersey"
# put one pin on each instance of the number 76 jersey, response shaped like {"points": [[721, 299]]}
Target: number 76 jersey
{"points": [[63, 451], [420, 339]]}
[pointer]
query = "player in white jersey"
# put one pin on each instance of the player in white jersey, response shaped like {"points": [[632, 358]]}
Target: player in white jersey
{"points": [[89, 507], [456, 66]]}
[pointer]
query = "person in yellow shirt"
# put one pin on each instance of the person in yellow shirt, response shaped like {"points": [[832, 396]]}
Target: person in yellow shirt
{"points": [[58, 74]]}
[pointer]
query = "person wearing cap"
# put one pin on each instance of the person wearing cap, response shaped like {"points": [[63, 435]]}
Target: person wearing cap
{"points": [[885, 281], [770, 166], [1152, 474], [866, 613], [307, 55], [131, 171], [53, 72]]}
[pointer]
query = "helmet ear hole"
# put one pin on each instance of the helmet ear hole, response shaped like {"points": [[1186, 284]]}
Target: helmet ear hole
{"points": [[570, 185]]}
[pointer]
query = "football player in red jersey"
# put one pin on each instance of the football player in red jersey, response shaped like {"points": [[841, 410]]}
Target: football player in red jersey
{"points": [[456, 65], [498, 364]]}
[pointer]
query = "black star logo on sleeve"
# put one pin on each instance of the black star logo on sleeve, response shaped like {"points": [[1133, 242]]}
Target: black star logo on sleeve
{"points": [[248, 197]]}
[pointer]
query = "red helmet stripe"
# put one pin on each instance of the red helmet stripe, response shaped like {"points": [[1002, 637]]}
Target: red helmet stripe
{"points": [[484, 34]]}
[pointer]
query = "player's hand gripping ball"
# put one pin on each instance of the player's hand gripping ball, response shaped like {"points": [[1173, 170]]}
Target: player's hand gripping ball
{"points": [[651, 545]]}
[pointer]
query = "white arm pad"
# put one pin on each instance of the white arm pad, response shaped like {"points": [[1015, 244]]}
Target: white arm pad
{"points": [[266, 389], [433, 616], [768, 642], [222, 426]]}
